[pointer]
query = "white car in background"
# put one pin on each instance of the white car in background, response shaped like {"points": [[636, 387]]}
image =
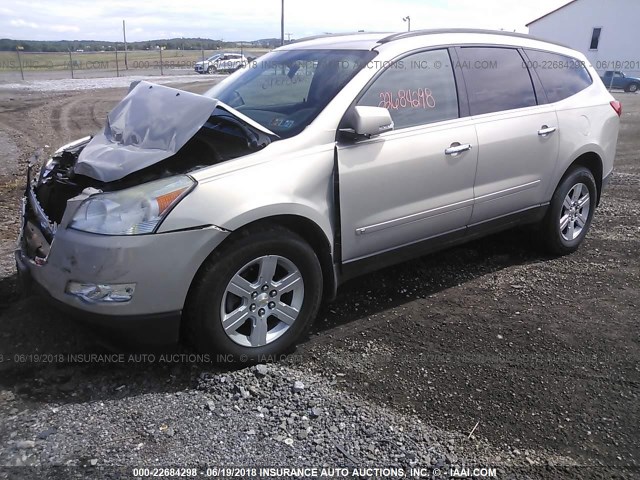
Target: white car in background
{"points": [[221, 62]]}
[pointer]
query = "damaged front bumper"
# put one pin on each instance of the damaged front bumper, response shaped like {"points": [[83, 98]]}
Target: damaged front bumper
{"points": [[157, 270]]}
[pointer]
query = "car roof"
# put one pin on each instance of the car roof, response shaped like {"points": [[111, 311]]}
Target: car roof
{"points": [[370, 41]]}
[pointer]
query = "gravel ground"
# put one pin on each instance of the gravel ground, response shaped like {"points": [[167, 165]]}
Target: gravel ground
{"points": [[263, 415], [537, 356]]}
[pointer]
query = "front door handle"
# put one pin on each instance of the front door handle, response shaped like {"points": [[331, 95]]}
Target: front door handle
{"points": [[544, 130], [456, 148]]}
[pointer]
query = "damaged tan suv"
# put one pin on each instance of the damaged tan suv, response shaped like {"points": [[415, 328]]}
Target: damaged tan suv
{"points": [[227, 217]]}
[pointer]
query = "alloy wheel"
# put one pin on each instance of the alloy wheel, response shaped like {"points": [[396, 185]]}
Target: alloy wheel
{"points": [[574, 213], [262, 301]]}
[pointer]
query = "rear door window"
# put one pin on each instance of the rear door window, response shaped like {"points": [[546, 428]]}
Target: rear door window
{"points": [[417, 89], [561, 76], [497, 79]]}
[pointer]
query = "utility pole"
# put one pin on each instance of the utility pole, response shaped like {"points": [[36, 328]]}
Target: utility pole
{"points": [[124, 34], [18, 48], [408, 20], [117, 65], [282, 25], [70, 62]]}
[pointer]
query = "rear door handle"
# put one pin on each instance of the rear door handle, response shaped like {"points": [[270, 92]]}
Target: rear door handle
{"points": [[544, 130], [456, 148]]}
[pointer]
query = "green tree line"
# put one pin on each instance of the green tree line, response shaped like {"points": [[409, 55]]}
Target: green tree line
{"points": [[7, 44]]}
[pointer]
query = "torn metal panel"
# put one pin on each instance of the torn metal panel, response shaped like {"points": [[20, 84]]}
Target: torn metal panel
{"points": [[150, 124]]}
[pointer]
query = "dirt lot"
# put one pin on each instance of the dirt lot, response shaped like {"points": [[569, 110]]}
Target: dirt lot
{"points": [[542, 354]]}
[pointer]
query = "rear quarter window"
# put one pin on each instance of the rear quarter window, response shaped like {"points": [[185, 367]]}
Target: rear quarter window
{"points": [[561, 76]]}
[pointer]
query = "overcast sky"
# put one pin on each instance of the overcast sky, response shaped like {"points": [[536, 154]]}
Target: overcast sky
{"points": [[253, 19]]}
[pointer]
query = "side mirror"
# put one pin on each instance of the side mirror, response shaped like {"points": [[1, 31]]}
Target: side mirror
{"points": [[368, 121]]}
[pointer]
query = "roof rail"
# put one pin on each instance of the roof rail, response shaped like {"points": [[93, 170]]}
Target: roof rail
{"points": [[328, 35], [434, 31]]}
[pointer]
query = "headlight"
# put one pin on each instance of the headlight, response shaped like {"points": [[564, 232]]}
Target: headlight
{"points": [[133, 211]]}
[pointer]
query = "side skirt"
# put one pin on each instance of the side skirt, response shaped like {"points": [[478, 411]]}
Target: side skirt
{"points": [[377, 261]]}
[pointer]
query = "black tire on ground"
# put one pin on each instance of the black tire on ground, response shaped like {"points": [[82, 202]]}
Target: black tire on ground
{"points": [[203, 319], [632, 88], [551, 235], [212, 69]]}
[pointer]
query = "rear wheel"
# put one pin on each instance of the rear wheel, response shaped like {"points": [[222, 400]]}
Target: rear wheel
{"points": [[570, 212], [256, 297]]}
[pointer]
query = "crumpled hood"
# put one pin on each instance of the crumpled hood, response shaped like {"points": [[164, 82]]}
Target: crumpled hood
{"points": [[150, 124]]}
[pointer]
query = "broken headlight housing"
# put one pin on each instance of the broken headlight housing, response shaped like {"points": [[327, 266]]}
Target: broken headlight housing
{"points": [[134, 211]]}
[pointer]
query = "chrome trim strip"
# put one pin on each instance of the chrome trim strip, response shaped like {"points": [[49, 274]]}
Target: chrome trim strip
{"points": [[398, 247], [506, 191], [414, 217], [444, 209]]}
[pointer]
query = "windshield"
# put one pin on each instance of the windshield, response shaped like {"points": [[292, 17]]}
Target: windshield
{"points": [[285, 90]]}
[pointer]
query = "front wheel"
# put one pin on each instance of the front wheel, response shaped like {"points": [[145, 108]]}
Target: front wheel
{"points": [[632, 88], [256, 297], [212, 69], [570, 213]]}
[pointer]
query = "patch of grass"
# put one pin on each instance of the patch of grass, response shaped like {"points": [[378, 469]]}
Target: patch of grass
{"points": [[136, 59]]}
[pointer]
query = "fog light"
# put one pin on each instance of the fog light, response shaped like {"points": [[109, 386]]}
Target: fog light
{"points": [[101, 293]]}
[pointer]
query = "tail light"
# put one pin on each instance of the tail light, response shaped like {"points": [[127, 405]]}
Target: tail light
{"points": [[617, 106]]}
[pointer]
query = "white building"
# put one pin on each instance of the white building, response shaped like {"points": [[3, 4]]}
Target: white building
{"points": [[607, 32]]}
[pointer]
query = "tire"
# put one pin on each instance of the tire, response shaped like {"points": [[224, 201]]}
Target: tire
{"points": [[212, 69], [632, 88], [254, 307], [570, 212]]}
